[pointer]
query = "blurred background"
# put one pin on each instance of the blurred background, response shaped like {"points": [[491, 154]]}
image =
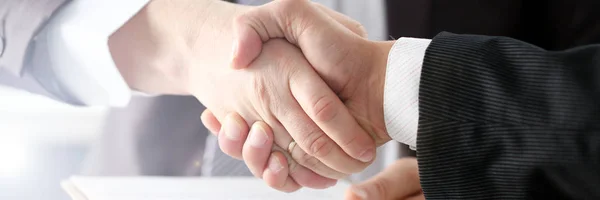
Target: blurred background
{"points": [[41, 143]]}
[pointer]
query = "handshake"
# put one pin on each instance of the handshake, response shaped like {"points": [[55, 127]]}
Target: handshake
{"points": [[297, 91], [312, 110], [301, 101]]}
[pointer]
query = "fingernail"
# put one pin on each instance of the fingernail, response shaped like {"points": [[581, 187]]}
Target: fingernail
{"points": [[275, 165], [232, 129], [359, 193], [258, 136], [367, 155]]}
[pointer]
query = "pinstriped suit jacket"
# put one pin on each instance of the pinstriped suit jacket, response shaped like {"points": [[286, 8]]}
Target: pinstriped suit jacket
{"points": [[501, 118]]}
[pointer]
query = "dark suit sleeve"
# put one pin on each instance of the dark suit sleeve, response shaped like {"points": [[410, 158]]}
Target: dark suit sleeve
{"points": [[503, 119], [20, 20]]}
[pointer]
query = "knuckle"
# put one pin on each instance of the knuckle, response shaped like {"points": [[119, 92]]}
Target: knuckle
{"points": [[260, 89], [324, 109], [349, 142], [280, 187], [381, 188], [288, 187], [361, 30], [291, 20], [321, 146], [241, 19], [308, 161], [262, 100]]}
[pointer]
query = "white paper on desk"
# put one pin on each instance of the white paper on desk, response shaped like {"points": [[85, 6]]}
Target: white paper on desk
{"points": [[168, 188]]}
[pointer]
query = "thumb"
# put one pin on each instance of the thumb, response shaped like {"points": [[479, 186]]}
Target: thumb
{"points": [[283, 19], [398, 181]]}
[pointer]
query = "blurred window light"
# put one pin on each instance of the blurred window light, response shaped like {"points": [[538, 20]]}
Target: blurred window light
{"points": [[14, 155]]}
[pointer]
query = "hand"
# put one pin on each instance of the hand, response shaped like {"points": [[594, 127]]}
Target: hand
{"points": [[180, 47], [398, 181], [352, 66], [264, 161]]}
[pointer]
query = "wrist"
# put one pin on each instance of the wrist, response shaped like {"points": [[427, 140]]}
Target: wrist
{"points": [[159, 49], [379, 51], [209, 44], [146, 49], [185, 22]]}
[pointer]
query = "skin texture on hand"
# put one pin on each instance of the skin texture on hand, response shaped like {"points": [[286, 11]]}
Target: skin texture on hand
{"points": [[270, 165], [183, 47], [351, 65]]}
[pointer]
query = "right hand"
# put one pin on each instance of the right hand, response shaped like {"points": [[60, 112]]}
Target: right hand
{"points": [[351, 65]]}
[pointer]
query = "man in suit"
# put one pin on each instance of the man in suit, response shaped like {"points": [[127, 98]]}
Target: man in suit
{"points": [[496, 117]]}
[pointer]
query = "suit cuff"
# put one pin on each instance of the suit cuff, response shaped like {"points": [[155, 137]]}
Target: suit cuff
{"points": [[71, 58], [401, 93]]}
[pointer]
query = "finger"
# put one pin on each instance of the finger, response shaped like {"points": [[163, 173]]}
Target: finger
{"points": [[210, 122], [301, 127], [346, 21], [313, 164], [276, 174], [398, 181], [257, 148], [256, 155], [302, 175], [326, 109], [310, 179], [249, 34], [232, 135]]}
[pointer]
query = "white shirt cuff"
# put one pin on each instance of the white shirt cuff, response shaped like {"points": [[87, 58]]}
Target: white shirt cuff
{"points": [[71, 58], [401, 93]]}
